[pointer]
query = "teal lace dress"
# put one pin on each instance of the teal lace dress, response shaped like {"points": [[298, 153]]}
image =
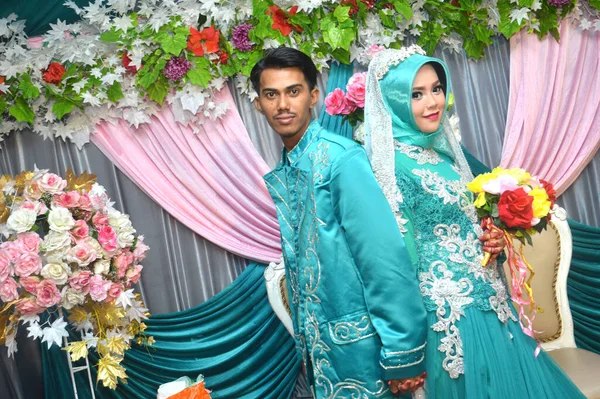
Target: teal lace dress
{"points": [[475, 346]]}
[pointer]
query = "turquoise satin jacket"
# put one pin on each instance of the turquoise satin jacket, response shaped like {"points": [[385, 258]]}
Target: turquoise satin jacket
{"points": [[358, 315]]}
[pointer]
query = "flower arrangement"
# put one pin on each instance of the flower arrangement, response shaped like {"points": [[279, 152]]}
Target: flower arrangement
{"points": [[66, 248], [124, 59], [351, 104], [518, 204]]}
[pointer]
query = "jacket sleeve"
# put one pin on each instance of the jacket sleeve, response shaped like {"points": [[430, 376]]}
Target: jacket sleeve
{"points": [[390, 283]]}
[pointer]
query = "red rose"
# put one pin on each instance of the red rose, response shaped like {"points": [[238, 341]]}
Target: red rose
{"points": [[127, 63], [514, 208], [549, 190], [206, 41], [54, 73]]}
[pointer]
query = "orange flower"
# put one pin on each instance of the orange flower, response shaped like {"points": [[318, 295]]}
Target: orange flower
{"points": [[54, 73], [223, 57], [280, 20], [2, 82], [197, 391], [203, 42]]}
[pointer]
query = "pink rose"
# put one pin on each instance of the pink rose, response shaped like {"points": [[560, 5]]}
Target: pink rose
{"points": [[108, 238], [140, 249], [39, 207], [82, 254], [122, 263], [32, 192], [336, 103], [80, 230], [67, 200], [114, 291], [28, 264], [80, 280], [133, 275], [374, 49], [355, 90], [11, 250], [30, 283], [100, 219], [52, 183], [47, 294], [85, 203], [6, 268], [29, 307], [98, 288], [29, 242], [8, 290]]}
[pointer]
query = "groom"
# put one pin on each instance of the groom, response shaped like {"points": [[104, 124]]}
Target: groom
{"points": [[358, 317]]}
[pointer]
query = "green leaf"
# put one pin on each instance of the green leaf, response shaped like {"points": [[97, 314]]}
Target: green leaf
{"points": [[333, 36], [158, 90], [112, 36], [387, 20], [22, 111], [341, 13], [61, 108], [27, 88], [307, 47], [199, 77], [115, 92], [172, 44], [482, 33], [525, 3], [347, 38], [3, 106], [474, 48], [342, 55], [404, 8], [505, 26]]}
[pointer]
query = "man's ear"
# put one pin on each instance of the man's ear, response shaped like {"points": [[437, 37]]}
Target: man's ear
{"points": [[314, 97], [258, 106]]}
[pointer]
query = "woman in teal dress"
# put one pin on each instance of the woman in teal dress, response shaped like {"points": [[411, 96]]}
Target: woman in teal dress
{"points": [[475, 346]]}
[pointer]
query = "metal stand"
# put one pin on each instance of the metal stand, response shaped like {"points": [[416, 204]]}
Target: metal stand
{"points": [[77, 369]]}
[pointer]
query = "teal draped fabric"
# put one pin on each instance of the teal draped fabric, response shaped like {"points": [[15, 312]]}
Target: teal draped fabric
{"points": [[584, 284], [339, 74], [234, 339], [39, 13], [584, 276]]}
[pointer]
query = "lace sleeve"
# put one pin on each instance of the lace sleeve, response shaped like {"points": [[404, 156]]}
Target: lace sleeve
{"points": [[407, 188]]}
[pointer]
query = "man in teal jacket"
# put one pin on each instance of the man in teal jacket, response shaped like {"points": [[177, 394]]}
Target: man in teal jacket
{"points": [[358, 317]]}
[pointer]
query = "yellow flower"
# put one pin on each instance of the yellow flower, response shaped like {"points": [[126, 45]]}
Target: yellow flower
{"points": [[518, 173], [541, 204], [480, 201], [478, 182]]}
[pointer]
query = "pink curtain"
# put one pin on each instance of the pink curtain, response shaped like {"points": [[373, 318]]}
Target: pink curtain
{"points": [[553, 124], [211, 181]]}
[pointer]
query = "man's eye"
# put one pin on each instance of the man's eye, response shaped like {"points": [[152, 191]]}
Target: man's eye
{"points": [[295, 91]]}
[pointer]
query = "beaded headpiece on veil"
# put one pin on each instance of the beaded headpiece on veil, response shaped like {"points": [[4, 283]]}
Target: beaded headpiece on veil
{"points": [[379, 136]]}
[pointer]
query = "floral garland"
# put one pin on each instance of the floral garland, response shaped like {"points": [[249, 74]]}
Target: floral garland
{"points": [[124, 59]]}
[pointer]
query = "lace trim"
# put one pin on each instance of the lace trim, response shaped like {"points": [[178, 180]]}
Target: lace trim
{"points": [[438, 285], [419, 154]]}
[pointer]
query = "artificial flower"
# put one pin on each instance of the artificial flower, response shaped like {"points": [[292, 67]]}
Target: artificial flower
{"points": [[514, 208], [203, 42], [54, 73]]}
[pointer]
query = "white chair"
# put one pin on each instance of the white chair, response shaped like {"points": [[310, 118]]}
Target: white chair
{"points": [[277, 293], [550, 257]]}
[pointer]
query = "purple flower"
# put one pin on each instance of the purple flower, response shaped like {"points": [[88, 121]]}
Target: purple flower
{"points": [[176, 68], [240, 38], [558, 3]]}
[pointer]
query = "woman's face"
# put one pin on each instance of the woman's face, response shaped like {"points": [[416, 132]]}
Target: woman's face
{"points": [[428, 100]]}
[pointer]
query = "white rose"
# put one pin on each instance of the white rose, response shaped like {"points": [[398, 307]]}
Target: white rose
{"points": [[57, 256], [56, 241], [71, 297], [125, 238], [52, 183], [60, 219], [56, 272], [22, 220], [101, 266], [118, 220]]}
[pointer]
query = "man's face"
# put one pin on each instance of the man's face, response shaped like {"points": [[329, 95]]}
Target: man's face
{"points": [[286, 100]]}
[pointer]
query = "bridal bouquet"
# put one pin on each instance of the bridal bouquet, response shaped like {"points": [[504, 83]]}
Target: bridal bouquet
{"points": [[64, 247], [519, 205]]}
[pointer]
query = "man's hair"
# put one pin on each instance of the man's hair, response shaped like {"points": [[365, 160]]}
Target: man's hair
{"points": [[285, 57]]}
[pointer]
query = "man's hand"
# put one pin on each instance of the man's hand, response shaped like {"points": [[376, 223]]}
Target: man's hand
{"points": [[493, 242], [407, 384]]}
